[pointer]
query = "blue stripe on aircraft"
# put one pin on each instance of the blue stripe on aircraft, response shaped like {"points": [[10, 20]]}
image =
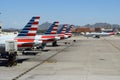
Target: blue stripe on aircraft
{"points": [[22, 34], [68, 29], [24, 31], [50, 28], [27, 27], [60, 30]]}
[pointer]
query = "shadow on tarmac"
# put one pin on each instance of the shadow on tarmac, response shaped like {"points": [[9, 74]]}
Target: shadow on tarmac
{"points": [[5, 62]]}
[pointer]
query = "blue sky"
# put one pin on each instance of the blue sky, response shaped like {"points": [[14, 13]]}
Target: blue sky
{"points": [[16, 13]]}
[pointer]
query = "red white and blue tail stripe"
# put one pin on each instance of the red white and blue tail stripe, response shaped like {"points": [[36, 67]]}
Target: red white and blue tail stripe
{"points": [[69, 31], [27, 35], [53, 28], [62, 30]]}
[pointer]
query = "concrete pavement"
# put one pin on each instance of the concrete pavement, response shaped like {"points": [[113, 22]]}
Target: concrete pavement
{"points": [[86, 59]]}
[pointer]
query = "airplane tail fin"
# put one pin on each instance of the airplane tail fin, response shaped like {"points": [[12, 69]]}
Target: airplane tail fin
{"points": [[114, 31], [53, 28], [62, 30], [30, 28], [69, 30], [27, 35]]}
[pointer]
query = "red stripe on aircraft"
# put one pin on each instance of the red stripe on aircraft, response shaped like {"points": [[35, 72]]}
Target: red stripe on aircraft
{"points": [[37, 17], [32, 28], [35, 23], [53, 32], [48, 36], [31, 34], [49, 40], [25, 40], [25, 45]]}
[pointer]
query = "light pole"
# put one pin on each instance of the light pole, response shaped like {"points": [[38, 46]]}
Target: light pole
{"points": [[0, 24]]}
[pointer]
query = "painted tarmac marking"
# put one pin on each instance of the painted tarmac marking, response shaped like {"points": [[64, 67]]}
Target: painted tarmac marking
{"points": [[41, 63], [116, 47]]}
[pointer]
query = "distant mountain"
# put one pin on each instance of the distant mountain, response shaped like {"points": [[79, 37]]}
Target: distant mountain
{"points": [[102, 25], [10, 30], [44, 26]]}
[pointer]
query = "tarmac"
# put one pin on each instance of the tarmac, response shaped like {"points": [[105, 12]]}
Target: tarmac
{"points": [[85, 59]]}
